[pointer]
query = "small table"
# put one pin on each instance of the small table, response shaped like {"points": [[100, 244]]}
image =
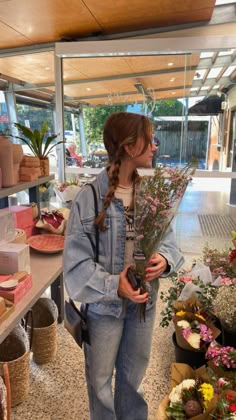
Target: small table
{"points": [[46, 271]]}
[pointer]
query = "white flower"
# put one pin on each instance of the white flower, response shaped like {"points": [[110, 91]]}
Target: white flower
{"points": [[194, 340], [183, 324], [175, 395]]}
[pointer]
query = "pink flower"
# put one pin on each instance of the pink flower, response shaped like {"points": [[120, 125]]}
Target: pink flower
{"points": [[185, 279]]}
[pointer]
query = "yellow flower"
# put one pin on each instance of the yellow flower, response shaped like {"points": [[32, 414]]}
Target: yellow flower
{"points": [[200, 317], [207, 393], [180, 313]]}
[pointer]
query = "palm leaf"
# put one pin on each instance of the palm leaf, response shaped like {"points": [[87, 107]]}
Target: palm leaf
{"points": [[25, 131], [29, 144], [55, 144], [48, 143], [38, 141]]}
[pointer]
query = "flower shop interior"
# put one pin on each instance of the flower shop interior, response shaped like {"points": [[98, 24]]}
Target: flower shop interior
{"points": [[176, 63]]}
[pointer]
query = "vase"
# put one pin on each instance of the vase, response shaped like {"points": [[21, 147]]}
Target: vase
{"points": [[17, 158], [6, 162], [195, 359], [44, 166]]}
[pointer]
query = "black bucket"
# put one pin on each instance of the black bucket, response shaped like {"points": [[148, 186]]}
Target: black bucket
{"points": [[228, 338], [195, 359]]}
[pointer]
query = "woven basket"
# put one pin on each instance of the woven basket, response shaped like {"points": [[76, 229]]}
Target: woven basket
{"points": [[44, 343], [14, 351]]}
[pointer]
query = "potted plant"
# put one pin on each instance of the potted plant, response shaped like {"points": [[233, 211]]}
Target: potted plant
{"points": [[39, 143]]}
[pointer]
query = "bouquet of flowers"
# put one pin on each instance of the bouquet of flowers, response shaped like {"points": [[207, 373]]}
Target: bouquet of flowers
{"points": [[193, 326], [226, 406], [67, 191], [157, 198], [222, 361], [224, 306], [222, 357], [186, 284], [219, 261], [53, 221], [192, 395]]}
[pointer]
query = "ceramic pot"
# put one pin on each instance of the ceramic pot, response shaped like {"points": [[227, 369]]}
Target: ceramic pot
{"points": [[17, 158], [44, 166], [6, 162], [195, 359]]}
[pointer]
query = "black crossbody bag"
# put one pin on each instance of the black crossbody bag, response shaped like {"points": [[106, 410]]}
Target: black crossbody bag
{"points": [[75, 321]]}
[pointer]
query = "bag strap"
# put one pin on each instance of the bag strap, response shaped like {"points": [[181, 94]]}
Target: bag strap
{"points": [[96, 226], [96, 248]]}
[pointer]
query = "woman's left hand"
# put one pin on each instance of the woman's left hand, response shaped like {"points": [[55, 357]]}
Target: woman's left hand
{"points": [[158, 265]]}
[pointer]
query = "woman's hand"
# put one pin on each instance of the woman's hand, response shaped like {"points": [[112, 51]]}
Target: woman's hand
{"points": [[158, 265], [125, 289]]}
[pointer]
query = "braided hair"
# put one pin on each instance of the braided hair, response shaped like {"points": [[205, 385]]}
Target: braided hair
{"points": [[122, 129]]}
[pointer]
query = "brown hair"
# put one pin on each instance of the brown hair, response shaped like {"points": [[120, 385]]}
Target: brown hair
{"points": [[122, 129]]}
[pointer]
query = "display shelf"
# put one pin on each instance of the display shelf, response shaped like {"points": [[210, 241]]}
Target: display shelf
{"points": [[46, 271], [32, 186], [22, 186]]}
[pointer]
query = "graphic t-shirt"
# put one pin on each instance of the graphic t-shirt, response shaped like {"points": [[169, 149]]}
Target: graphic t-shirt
{"points": [[126, 195]]}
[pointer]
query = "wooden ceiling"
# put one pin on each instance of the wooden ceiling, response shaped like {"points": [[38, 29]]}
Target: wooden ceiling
{"points": [[27, 23]]}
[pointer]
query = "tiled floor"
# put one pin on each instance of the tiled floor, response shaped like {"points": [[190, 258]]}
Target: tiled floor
{"points": [[203, 196], [58, 390]]}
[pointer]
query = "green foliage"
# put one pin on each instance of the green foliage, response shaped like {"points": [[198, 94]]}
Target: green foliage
{"points": [[36, 140], [170, 107], [94, 119], [176, 411]]}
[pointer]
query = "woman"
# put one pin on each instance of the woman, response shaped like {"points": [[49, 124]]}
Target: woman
{"points": [[118, 339], [74, 158]]}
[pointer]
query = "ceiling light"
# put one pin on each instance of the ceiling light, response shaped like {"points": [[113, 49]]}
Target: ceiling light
{"points": [[170, 64], [88, 88], [47, 68], [172, 80], [173, 93]]}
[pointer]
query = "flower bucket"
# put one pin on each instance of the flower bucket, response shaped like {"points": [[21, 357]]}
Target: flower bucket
{"points": [[195, 359], [44, 337], [14, 351], [228, 337]]}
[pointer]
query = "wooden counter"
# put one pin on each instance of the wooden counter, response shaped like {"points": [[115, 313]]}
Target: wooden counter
{"points": [[46, 270]]}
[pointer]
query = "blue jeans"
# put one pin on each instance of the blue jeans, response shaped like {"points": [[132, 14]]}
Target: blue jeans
{"points": [[123, 343]]}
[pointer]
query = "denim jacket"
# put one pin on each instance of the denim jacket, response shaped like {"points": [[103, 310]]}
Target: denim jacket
{"points": [[97, 283]]}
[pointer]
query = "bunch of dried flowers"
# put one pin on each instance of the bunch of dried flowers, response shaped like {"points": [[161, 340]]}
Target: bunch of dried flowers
{"points": [[157, 199], [224, 306], [218, 261]]}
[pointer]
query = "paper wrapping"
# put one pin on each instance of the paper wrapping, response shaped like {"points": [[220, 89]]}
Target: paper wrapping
{"points": [[179, 372], [222, 373], [49, 228], [203, 272], [68, 194], [179, 336]]}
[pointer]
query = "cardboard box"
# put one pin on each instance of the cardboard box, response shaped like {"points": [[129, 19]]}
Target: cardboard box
{"points": [[23, 216], [7, 226], [20, 290], [14, 257]]}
